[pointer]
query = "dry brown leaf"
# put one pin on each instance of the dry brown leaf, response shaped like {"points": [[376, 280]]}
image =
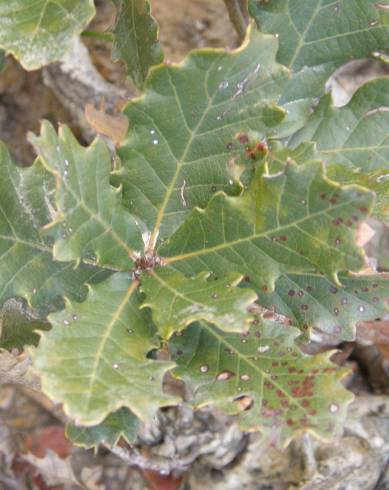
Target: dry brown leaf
{"points": [[115, 127], [53, 469]]}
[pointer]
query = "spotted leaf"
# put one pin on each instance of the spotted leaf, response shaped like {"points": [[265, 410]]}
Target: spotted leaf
{"points": [[316, 37], [91, 222], [94, 360], [263, 378], [354, 140], [311, 300], [176, 301], [278, 225], [178, 147]]}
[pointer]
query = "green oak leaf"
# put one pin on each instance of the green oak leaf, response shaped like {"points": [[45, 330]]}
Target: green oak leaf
{"points": [[278, 225], [38, 32], [177, 151], [136, 39], [27, 268], [354, 140], [316, 37], [117, 425], [176, 301], [91, 222], [94, 360], [312, 300], [264, 378], [19, 325]]}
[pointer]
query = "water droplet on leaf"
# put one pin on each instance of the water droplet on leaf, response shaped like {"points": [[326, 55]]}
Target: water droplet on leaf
{"points": [[263, 348], [224, 84]]}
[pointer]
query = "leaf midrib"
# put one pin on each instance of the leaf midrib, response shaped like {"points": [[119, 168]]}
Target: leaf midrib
{"points": [[205, 251], [104, 339]]}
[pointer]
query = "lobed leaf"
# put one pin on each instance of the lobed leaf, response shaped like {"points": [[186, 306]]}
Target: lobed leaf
{"points": [[121, 423], [354, 140], [19, 325], [176, 301], [316, 37], [38, 32], [264, 378], [136, 39], [310, 299], [94, 361], [27, 268], [177, 151], [277, 226], [91, 222]]}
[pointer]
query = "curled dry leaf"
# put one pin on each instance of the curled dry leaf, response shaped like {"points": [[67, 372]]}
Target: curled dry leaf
{"points": [[113, 126]]}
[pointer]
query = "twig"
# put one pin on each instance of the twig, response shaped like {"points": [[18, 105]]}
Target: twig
{"points": [[238, 12], [101, 36]]}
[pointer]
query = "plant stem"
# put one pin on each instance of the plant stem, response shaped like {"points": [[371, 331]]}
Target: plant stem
{"points": [[102, 36], [238, 12]]}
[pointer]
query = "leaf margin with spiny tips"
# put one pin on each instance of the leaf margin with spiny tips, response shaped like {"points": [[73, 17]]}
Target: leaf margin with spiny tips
{"points": [[214, 386], [115, 350], [33, 58], [27, 194], [117, 425], [145, 47], [364, 118], [311, 75], [150, 142], [82, 174], [233, 314], [203, 226]]}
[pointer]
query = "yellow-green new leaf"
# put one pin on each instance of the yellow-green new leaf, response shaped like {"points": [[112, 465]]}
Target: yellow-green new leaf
{"points": [[38, 32], [94, 358], [91, 224], [262, 377], [293, 221], [177, 301]]}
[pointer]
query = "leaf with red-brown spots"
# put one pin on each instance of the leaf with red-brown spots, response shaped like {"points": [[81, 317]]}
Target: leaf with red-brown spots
{"points": [[312, 301], [264, 378], [295, 221]]}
